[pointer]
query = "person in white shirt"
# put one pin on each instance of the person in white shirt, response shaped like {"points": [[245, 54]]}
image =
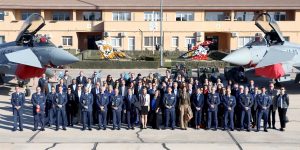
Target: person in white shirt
{"points": [[144, 99]]}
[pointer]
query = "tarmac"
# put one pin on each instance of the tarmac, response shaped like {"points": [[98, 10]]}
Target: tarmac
{"points": [[148, 139]]}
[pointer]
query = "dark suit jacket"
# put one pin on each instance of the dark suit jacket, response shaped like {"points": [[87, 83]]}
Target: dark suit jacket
{"points": [[131, 105], [83, 81]]}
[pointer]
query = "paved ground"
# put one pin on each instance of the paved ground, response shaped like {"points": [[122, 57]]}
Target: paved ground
{"points": [[74, 138]]}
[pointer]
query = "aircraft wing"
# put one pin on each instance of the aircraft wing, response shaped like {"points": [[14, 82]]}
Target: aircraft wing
{"points": [[275, 56], [25, 57]]}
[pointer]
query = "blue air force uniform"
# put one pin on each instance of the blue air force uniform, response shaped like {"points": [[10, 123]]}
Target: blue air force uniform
{"points": [[169, 102], [50, 108], [102, 101], [86, 102], [229, 103], [246, 102], [60, 103], [198, 102], [263, 104], [17, 100], [38, 101], [213, 99], [116, 104]]}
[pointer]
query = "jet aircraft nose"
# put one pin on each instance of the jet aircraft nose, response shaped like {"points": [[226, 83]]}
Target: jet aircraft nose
{"points": [[60, 57], [240, 57]]}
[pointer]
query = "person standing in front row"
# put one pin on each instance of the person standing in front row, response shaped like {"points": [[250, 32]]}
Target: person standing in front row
{"points": [[229, 103], [130, 108], [102, 101], [17, 101], [60, 103], [38, 100], [213, 100], [169, 102], [86, 103], [263, 103], [184, 107], [145, 105], [116, 104], [198, 103], [282, 104]]}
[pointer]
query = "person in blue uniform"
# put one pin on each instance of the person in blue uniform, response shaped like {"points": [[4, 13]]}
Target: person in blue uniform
{"points": [[263, 103], [169, 102], [129, 107], [102, 101], [86, 103], [229, 103], [213, 100], [246, 102], [60, 103], [198, 103], [38, 100], [116, 105], [50, 107], [17, 102]]}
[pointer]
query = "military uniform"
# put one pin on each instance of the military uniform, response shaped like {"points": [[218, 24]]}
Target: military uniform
{"points": [[169, 101], [102, 100], [50, 108], [246, 103], [38, 102], [60, 103], [117, 101], [263, 104], [18, 100], [213, 99], [229, 105], [86, 103]]}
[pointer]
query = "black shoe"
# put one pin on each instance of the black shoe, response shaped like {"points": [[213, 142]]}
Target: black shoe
{"points": [[56, 129], [128, 128], [83, 129], [119, 129], [132, 128], [14, 129], [64, 129], [248, 130], [281, 129], [42, 129], [71, 125], [21, 129], [34, 130], [104, 128], [265, 130], [231, 129], [90, 129], [173, 128], [99, 128], [274, 128], [256, 130], [113, 129]]}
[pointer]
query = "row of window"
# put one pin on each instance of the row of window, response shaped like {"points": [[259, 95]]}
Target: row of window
{"points": [[155, 16]]}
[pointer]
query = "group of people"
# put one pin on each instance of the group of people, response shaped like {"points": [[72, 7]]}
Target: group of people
{"points": [[154, 101]]}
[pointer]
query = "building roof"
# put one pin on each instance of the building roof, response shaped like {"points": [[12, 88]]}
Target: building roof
{"points": [[151, 4]]}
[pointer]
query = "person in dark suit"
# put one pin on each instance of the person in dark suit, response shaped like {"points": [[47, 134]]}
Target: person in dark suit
{"points": [[130, 107], [78, 94], [70, 107], [198, 103], [73, 86], [81, 79], [156, 110], [95, 91], [61, 84], [138, 88], [282, 104], [95, 79], [38, 100], [17, 101]]}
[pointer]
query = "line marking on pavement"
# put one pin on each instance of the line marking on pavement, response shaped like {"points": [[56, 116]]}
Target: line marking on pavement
{"points": [[138, 135], [165, 146], [235, 141], [95, 146], [31, 138], [54, 144]]}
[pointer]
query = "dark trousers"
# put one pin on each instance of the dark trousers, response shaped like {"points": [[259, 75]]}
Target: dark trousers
{"points": [[70, 115], [18, 117], [254, 116], [273, 113], [131, 118], [95, 113], [247, 114], [51, 118], [116, 118], [215, 118], [198, 116], [170, 116], [282, 116], [102, 119], [262, 114], [39, 118], [237, 115], [228, 115], [61, 113], [86, 119], [158, 119]]}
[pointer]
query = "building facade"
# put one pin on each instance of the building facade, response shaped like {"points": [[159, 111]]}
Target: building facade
{"points": [[135, 24]]}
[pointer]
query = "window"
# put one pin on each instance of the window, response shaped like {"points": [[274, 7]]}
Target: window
{"points": [[152, 16], [2, 39], [1, 15], [278, 16], [244, 16], [26, 14], [217, 16], [61, 16], [242, 41], [116, 41], [175, 41], [92, 16], [121, 16], [148, 41], [190, 40], [286, 38], [67, 40], [184, 16], [131, 43]]}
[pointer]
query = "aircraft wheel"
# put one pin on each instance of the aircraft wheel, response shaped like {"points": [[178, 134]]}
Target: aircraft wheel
{"points": [[27, 92]]}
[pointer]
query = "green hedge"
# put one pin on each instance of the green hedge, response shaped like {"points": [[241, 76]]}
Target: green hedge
{"points": [[114, 64]]}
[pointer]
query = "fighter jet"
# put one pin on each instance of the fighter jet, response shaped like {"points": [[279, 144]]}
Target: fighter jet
{"points": [[30, 55], [271, 56]]}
